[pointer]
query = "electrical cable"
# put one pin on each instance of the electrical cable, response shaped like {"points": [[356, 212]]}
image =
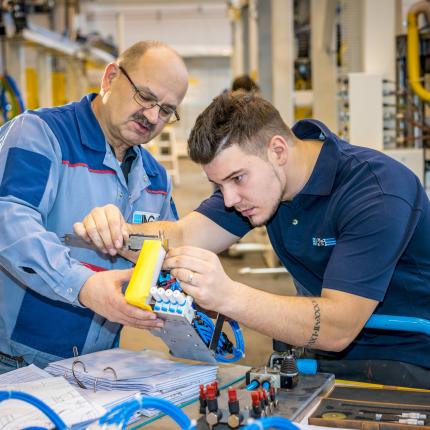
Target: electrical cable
{"points": [[271, 422], [11, 102], [13, 85], [43, 407], [307, 366], [225, 351], [34, 428], [253, 385], [205, 328], [266, 385], [121, 414]]}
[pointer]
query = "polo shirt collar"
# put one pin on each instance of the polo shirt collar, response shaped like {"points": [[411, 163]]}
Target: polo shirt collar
{"points": [[322, 178], [89, 128]]}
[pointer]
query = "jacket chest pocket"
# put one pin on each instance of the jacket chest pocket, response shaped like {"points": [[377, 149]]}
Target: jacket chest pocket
{"points": [[146, 209]]}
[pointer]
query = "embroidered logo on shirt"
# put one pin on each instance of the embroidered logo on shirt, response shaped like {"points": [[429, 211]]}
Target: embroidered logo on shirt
{"points": [[328, 241], [140, 217]]}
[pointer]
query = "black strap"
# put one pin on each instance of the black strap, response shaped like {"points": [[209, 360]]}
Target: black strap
{"points": [[217, 332], [129, 157], [127, 161]]}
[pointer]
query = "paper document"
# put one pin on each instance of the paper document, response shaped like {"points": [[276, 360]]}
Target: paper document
{"points": [[145, 372], [56, 393], [109, 399], [23, 374]]}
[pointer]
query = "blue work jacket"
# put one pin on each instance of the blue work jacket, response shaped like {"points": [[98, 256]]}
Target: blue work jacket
{"points": [[55, 166]]}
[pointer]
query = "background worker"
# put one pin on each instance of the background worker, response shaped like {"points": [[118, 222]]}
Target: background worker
{"points": [[245, 83], [350, 224], [55, 165]]}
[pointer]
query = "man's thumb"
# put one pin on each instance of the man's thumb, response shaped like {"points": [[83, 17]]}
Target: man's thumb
{"points": [[125, 275]]}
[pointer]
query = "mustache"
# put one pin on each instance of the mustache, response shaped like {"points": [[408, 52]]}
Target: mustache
{"points": [[143, 121]]}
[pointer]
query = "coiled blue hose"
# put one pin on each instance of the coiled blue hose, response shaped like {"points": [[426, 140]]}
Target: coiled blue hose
{"points": [[43, 407], [205, 329]]}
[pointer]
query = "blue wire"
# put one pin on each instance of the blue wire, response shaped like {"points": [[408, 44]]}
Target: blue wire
{"points": [[170, 409], [5, 107], [125, 415], [43, 407], [272, 422], [126, 410], [15, 90], [205, 329], [266, 385], [111, 413], [252, 385], [34, 428]]}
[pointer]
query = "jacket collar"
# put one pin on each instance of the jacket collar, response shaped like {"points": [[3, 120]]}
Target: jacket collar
{"points": [[322, 178], [89, 128]]}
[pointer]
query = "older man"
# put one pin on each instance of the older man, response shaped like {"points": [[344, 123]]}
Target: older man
{"points": [[56, 164]]}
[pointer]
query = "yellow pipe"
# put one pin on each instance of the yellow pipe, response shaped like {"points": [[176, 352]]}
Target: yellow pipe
{"points": [[413, 57]]}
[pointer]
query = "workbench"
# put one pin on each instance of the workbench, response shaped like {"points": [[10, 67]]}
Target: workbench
{"points": [[295, 403]]}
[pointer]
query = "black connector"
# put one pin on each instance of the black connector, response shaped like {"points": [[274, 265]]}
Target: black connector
{"points": [[289, 374]]}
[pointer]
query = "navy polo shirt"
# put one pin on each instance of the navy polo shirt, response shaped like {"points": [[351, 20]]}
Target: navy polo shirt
{"points": [[361, 225]]}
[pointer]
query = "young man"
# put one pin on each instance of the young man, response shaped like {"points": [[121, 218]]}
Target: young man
{"points": [[350, 224], [57, 164]]}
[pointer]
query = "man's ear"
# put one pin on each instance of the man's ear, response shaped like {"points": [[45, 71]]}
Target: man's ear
{"points": [[109, 74], [278, 150]]}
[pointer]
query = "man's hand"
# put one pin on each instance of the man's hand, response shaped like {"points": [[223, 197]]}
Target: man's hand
{"points": [[102, 293], [106, 228], [201, 275]]}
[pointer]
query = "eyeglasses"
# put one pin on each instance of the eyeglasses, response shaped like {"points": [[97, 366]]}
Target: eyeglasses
{"points": [[165, 113]]}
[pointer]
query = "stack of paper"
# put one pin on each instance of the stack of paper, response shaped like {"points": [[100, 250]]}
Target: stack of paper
{"points": [[23, 374], [57, 393], [109, 399], [145, 372]]}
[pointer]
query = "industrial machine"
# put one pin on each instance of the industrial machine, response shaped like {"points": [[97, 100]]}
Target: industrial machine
{"points": [[286, 387]]}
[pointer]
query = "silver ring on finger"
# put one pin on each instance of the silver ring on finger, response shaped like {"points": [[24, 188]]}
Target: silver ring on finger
{"points": [[190, 277]]}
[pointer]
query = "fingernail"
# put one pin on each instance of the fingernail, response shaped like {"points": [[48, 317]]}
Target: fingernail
{"points": [[152, 317], [160, 325], [118, 244], [112, 252]]}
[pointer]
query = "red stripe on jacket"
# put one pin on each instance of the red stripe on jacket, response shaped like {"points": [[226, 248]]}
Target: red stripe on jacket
{"points": [[157, 192], [93, 267], [67, 163]]}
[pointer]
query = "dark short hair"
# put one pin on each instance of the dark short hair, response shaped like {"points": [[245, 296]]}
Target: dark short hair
{"points": [[241, 118], [244, 82]]}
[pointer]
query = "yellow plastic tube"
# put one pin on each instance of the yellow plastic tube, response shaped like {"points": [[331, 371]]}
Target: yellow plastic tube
{"points": [[145, 274]]}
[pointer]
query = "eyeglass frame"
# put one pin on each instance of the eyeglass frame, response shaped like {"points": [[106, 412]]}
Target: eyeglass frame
{"points": [[138, 93]]}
